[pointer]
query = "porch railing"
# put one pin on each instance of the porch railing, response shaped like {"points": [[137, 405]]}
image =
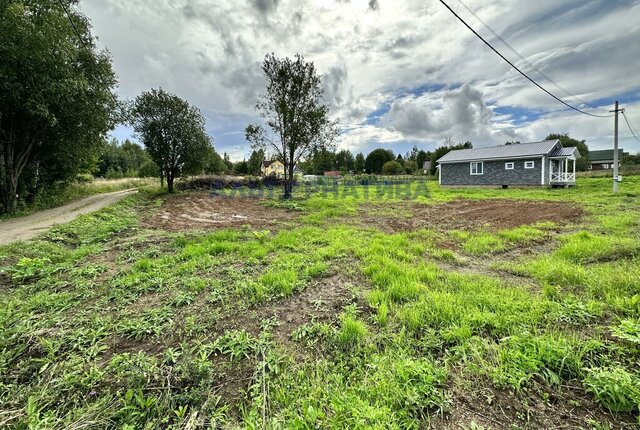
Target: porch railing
{"points": [[563, 177]]}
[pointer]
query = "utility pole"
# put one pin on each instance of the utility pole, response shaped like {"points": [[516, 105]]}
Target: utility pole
{"points": [[615, 147]]}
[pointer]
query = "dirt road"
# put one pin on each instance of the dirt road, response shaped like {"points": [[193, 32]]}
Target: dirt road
{"points": [[30, 226]]}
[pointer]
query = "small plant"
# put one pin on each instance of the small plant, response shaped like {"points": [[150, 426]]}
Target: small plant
{"points": [[628, 330], [614, 388], [352, 332], [237, 344]]}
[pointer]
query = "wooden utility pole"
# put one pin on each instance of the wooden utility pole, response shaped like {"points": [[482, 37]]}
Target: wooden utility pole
{"points": [[615, 146]]}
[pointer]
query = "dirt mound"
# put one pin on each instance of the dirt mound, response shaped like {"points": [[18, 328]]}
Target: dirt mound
{"points": [[203, 211], [495, 214]]}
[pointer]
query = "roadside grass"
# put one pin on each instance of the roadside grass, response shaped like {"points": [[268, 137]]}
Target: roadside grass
{"points": [[105, 324], [66, 193]]}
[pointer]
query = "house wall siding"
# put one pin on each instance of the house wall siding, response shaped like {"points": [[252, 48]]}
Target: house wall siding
{"points": [[494, 173]]}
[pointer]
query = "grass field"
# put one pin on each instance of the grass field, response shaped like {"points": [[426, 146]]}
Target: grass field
{"points": [[347, 308]]}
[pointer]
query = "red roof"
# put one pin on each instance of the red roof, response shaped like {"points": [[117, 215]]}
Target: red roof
{"points": [[332, 173]]}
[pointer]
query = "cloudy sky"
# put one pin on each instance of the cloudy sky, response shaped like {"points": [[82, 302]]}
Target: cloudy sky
{"points": [[397, 73]]}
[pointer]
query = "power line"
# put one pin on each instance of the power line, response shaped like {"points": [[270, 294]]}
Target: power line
{"points": [[526, 61], [520, 71], [84, 45], [629, 125]]}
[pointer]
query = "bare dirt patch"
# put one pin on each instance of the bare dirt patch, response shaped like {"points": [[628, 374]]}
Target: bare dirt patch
{"points": [[565, 407], [494, 214], [203, 211]]}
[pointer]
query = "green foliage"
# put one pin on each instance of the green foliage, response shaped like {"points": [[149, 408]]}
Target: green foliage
{"points": [[124, 160], [377, 159], [173, 133], [55, 109], [352, 332], [109, 322], [392, 168], [294, 110], [614, 388]]}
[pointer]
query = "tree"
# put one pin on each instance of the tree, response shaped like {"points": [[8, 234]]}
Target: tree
{"points": [[344, 161], [376, 159], [392, 168], [358, 164], [121, 160], [323, 160], [213, 163], [631, 160], [255, 161], [413, 154], [172, 131], [55, 100], [410, 167], [582, 164], [296, 117], [241, 168], [228, 164]]}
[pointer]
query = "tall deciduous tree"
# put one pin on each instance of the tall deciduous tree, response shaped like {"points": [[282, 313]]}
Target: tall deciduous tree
{"points": [[55, 104], [297, 120], [344, 160], [376, 159], [173, 132]]}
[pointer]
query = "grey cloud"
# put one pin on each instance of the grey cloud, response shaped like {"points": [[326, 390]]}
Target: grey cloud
{"points": [[338, 93], [264, 6], [374, 5], [463, 112]]}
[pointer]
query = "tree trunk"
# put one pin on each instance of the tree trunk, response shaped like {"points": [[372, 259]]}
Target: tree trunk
{"points": [[170, 181], [288, 180], [9, 194]]}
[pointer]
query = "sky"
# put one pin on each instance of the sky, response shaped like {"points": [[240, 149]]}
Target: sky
{"points": [[396, 73]]}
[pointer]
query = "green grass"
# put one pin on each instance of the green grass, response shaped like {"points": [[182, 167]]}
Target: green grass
{"points": [[107, 324]]}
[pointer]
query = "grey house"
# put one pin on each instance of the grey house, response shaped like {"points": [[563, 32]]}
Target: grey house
{"points": [[538, 163]]}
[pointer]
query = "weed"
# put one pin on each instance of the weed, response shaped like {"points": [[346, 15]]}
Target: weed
{"points": [[614, 388]]}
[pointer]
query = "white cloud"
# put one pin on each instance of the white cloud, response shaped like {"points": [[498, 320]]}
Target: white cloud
{"points": [[374, 53]]}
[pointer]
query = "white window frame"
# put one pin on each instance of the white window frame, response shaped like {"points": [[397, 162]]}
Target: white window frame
{"points": [[509, 165], [530, 164], [478, 171]]}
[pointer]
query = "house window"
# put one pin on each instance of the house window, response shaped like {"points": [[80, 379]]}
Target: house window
{"points": [[529, 164], [476, 168], [508, 166]]}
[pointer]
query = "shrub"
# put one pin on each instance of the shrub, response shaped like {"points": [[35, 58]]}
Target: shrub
{"points": [[392, 168]]}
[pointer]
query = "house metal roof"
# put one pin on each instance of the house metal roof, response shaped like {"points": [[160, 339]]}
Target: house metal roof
{"points": [[604, 155], [504, 151], [569, 151]]}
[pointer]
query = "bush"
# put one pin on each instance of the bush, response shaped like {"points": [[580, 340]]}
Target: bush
{"points": [[392, 168], [212, 182], [84, 178]]}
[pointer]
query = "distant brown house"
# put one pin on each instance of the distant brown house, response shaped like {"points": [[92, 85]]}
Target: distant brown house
{"points": [[603, 159], [332, 174]]}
